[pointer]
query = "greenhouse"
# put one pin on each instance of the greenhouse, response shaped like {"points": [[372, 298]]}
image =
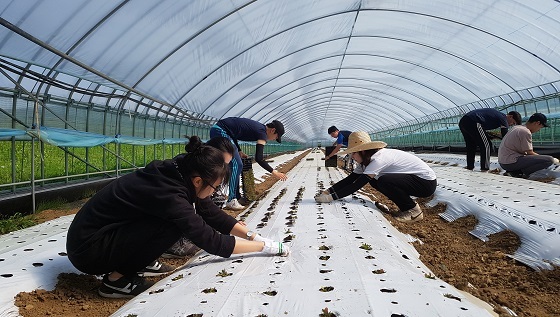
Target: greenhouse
{"points": [[93, 91]]}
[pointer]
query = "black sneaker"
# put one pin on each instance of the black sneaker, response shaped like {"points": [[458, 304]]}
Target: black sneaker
{"points": [[125, 287], [244, 201], [156, 269], [517, 174]]}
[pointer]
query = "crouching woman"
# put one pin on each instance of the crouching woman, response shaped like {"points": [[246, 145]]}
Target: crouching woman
{"points": [[123, 229], [395, 173]]}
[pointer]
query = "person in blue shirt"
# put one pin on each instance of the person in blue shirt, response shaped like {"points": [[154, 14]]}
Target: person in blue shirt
{"points": [[474, 125], [341, 137], [243, 129]]}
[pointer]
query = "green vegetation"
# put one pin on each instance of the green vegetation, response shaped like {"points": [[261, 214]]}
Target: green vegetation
{"points": [[16, 222], [365, 246], [51, 204]]}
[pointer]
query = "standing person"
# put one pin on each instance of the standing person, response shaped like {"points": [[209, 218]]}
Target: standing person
{"points": [[395, 173], [341, 137], [122, 230], [242, 129], [516, 154], [474, 125]]}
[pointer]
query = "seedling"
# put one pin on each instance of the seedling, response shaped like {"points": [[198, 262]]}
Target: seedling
{"points": [[452, 296], [380, 271], [324, 248], [365, 246], [159, 290], [326, 313], [270, 293], [430, 276], [326, 289], [324, 257], [194, 315], [224, 273], [210, 290], [178, 277], [288, 231]]}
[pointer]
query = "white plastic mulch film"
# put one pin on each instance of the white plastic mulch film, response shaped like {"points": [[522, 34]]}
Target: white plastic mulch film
{"points": [[331, 265], [345, 258], [362, 65]]}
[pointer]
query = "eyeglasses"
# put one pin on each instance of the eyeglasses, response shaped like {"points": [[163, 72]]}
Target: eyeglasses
{"points": [[214, 188]]}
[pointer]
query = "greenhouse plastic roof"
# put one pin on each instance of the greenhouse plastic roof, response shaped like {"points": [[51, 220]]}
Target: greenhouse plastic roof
{"points": [[360, 65]]}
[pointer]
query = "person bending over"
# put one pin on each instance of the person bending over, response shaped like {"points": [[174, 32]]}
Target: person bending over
{"points": [[395, 173], [474, 126], [243, 129]]}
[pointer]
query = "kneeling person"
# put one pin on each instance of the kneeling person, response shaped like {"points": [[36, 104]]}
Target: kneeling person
{"points": [[123, 229]]}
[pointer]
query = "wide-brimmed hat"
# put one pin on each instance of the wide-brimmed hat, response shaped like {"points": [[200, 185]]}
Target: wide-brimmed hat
{"points": [[360, 141]]}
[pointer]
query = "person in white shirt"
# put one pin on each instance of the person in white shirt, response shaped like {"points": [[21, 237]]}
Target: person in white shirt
{"points": [[395, 173]]}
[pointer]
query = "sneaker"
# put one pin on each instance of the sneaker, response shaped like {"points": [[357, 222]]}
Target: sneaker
{"points": [[382, 207], [244, 201], [411, 215], [516, 174], [156, 269], [234, 205], [124, 287]]}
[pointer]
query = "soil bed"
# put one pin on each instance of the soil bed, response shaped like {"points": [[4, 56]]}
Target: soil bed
{"points": [[482, 269]]}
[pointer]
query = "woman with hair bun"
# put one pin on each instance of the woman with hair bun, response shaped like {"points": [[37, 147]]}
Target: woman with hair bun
{"points": [[123, 229]]}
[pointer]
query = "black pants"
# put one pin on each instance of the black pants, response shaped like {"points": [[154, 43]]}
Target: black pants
{"points": [[475, 137], [126, 249], [397, 187]]}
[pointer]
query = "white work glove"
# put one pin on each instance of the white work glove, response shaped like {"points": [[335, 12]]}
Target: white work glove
{"points": [[324, 198], [260, 238], [275, 248], [556, 161]]}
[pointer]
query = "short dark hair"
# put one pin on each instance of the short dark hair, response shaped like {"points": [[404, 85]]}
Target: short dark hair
{"points": [[332, 129], [538, 117]]}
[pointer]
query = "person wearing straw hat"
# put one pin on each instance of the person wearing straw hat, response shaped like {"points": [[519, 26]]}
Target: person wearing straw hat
{"points": [[395, 173]]}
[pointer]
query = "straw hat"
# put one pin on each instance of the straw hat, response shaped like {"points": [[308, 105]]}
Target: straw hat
{"points": [[360, 141]]}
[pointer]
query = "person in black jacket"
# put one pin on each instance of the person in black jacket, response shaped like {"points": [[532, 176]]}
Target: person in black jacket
{"points": [[123, 229], [243, 129], [474, 125]]}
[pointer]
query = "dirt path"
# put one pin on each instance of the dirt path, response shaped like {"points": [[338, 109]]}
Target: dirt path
{"points": [[483, 269]]}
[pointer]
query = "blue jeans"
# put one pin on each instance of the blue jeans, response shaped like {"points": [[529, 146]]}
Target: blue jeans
{"points": [[236, 165]]}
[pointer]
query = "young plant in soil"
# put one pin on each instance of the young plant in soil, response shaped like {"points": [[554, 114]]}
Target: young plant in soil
{"points": [[224, 273], [365, 246], [326, 313], [326, 289], [210, 290]]}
